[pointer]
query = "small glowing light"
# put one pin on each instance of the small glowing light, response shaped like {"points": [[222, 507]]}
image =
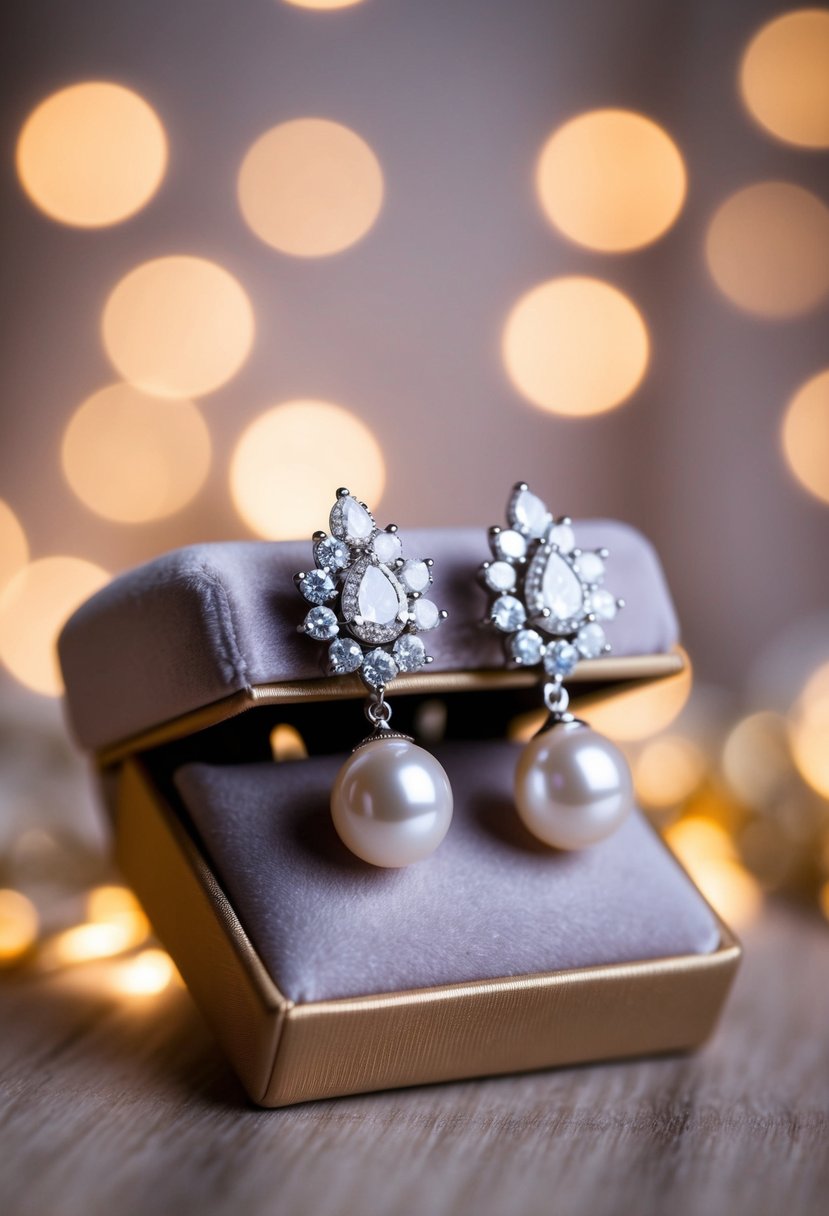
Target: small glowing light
{"points": [[641, 712], [14, 548], [784, 77], [18, 926], [706, 852], [755, 758], [178, 326], [668, 770], [118, 906], [575, 346], [149, 973], [611, 180], [809, 732], [823, 899], [767, 249], [132, 457], [84, 943], [289, 458], [310, 187], [287, 743], [91, 154], [33, 609], [805, 435]]}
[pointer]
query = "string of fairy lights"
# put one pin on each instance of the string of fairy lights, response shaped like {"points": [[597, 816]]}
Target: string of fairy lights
{"points": [[176, 328]]}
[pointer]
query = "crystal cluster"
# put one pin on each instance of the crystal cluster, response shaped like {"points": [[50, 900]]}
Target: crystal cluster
{"points": [[547, 595], [369, 602]]}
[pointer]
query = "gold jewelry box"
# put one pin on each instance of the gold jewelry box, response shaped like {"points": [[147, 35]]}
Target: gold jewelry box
{"points": [[321, 976]]}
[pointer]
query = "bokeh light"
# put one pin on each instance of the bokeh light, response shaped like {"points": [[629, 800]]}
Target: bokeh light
{"points": [[707, 853], [755, 758], [18, 926], [611, 180], [14, 548], [178, 326], [575, 346], [290, 460], [131, 457], [91, 154], [809, 732], [287, 743], [641, 712], [116, 905], [33, 609], [784, 77], [767, 249], [310, 187], [668, 770], [147, 974], [85, 943], [805, 435]]}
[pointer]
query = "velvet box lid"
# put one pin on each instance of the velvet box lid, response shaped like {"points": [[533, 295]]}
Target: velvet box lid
{"points": [[322, 976]]}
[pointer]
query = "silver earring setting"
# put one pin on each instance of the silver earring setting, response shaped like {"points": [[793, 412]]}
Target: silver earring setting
{"points": [[573, 786], [391, 803]]}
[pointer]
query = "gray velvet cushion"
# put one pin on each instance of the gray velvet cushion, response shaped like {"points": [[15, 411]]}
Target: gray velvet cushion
{"points": [[202, 622], [490, 902]]}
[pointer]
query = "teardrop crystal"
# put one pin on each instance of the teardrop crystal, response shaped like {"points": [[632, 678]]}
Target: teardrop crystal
{"points": [[377, 598], [561, 590]]}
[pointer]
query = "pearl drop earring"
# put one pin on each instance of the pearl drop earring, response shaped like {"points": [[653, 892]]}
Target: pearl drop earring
{"points": [[573, 786], [391, 803]]}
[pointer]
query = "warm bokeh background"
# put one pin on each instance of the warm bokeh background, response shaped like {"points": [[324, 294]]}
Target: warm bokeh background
{"points": [[261, 249]]}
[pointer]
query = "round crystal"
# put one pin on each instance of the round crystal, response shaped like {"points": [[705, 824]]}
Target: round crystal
{"points": [[317, 587], [603, 604], [344, 656], [590, 641], [321, 623], [590, 567], [526, 647], [415, 575], [560, 659], [426, 614], [510, 543], [378, 668], [387, 547], [508, 613], [500, 576], [563, 537], [409, 652], [332, 553]]}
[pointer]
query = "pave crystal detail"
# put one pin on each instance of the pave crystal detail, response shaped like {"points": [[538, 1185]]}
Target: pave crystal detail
{"points": [[373, 602], [351, 520], [372, 627], [545, 592], [321, 623]]}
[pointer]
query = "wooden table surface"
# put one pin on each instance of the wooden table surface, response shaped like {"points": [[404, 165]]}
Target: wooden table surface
{"points": [[127, 1108]]}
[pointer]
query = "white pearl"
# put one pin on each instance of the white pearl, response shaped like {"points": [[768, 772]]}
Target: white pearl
{"points": [[391, 803], [572, 786]]}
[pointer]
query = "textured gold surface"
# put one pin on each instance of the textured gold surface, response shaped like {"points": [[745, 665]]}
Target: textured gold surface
{"points": [[286, 1053]]}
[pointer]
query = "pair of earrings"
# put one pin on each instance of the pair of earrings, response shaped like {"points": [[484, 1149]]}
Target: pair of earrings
{"points": [[391, 803]]}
